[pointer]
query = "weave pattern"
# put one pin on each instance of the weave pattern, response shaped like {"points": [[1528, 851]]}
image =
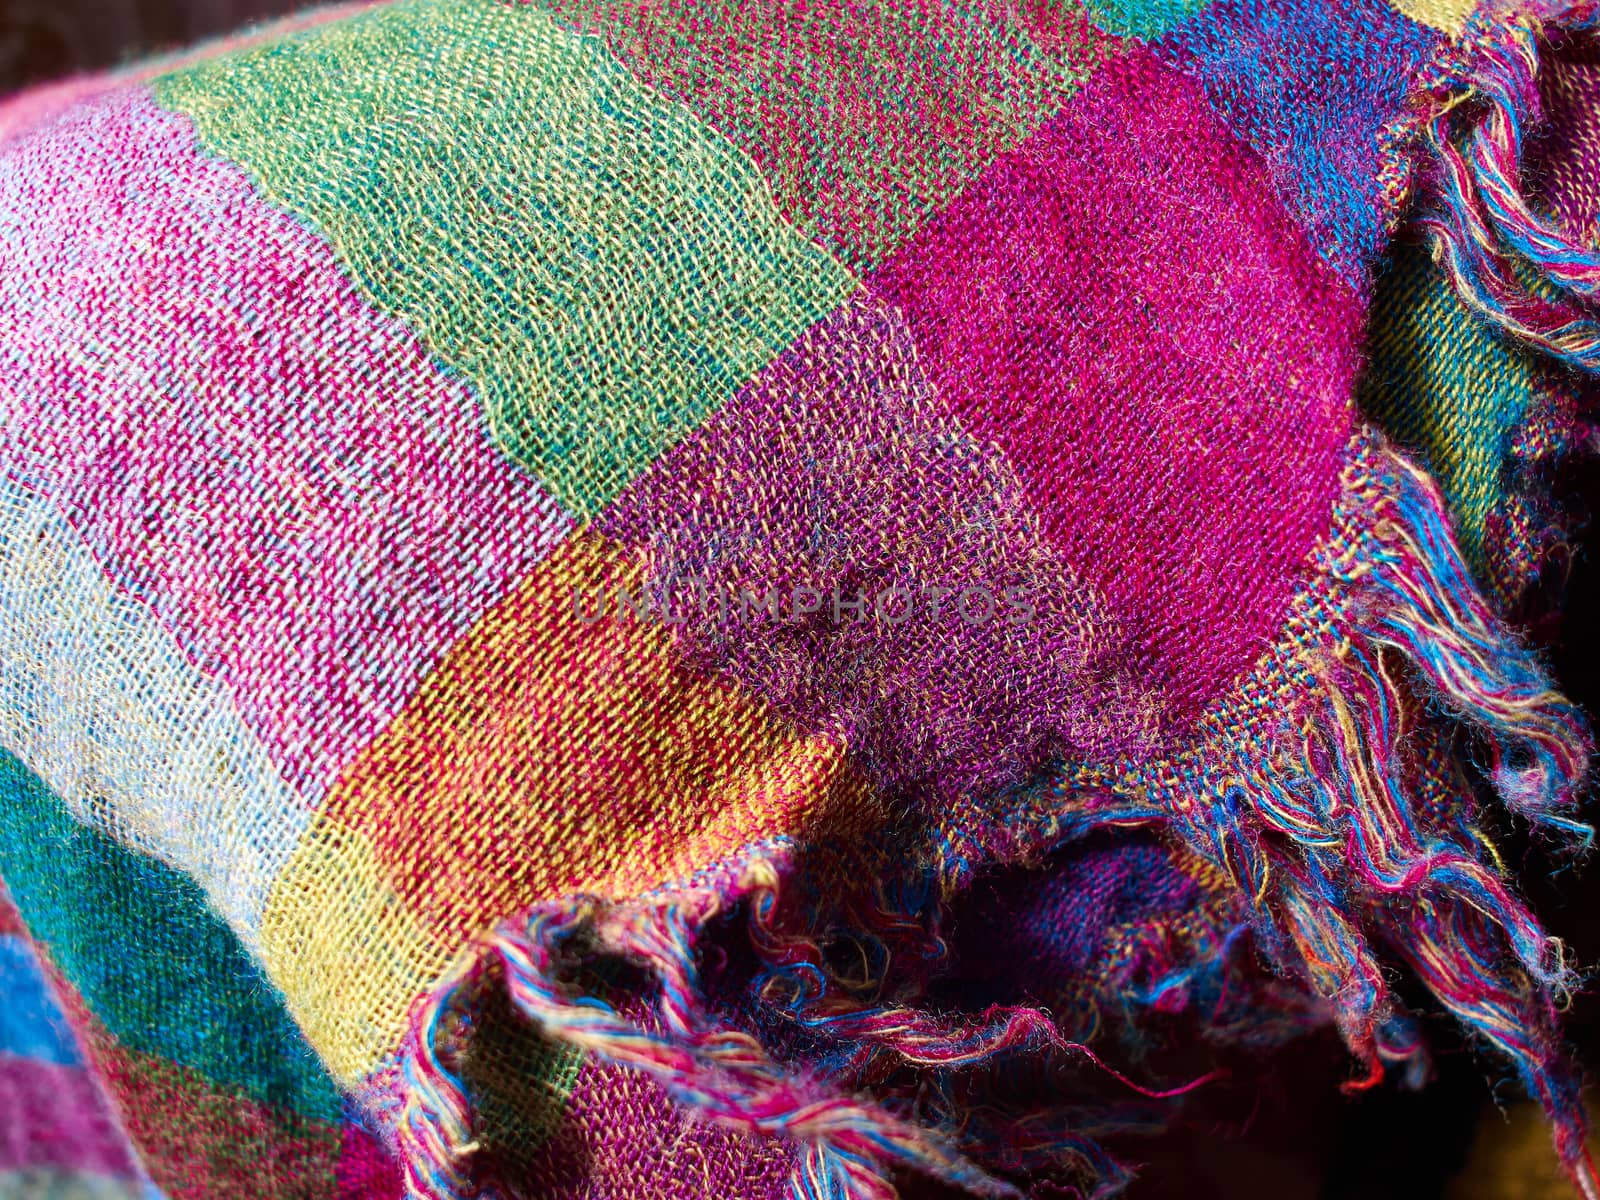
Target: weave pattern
{"points": [[544, 280], [603, 599], [61, 1137]]}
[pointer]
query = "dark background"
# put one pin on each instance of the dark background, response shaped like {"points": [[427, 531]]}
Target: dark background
{"points": [[1299, 1139], [45, 39]]}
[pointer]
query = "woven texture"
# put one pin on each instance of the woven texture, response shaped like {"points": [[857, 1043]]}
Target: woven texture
{"points": [[61, 1136], [606, 599]]}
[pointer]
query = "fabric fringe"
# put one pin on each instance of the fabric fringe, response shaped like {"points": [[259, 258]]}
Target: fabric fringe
{"points": [[1350, 842], [1524, 273], [1307, 789], [1465, 135], [1302, 789], [1521, 271], [1453, 169], [849, 1145]]}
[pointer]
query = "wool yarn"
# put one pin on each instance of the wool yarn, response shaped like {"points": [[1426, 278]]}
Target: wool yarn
{"points": [[681, 599]]}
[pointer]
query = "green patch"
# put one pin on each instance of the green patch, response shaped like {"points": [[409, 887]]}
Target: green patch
{"points": [[1446, 386], [602, 267]]}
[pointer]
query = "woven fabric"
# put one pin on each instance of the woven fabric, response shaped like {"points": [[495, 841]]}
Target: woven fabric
{"points": [[1498, 424], [535, 327], [61, 1135], [603, 599]]}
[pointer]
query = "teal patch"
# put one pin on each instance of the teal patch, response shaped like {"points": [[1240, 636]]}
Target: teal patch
{"points": [[152, 962], [1141, 18]]}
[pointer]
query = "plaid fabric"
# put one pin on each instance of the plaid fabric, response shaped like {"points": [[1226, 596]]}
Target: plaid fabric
{"points": [[607, 599]]}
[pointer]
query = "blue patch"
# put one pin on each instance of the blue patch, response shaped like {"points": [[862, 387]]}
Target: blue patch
{"points": [[31, 1025], [1310, 86]]}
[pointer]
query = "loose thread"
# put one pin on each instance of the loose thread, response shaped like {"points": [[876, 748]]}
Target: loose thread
{"points": [[1328, 847], [1512, 266], [724, 1074]]}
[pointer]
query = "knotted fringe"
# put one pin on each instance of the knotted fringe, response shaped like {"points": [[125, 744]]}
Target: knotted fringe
{"points": [[1514, 267]]}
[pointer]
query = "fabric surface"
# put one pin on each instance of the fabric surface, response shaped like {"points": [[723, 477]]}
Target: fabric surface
{"points": [[615, 599], [61, 1135]]}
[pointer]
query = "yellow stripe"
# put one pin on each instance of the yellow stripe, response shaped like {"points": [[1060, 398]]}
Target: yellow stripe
{"points": [[545, 756], [1448, 15]]}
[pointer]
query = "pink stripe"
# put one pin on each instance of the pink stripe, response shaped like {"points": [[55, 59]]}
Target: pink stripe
{"points": [[1124, 307], [10, 918], [279, 472], [56, 1118], [30, 109], [621, 1137]]}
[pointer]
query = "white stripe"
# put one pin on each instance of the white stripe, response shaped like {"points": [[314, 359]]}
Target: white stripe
{"points": [[97, 699]]}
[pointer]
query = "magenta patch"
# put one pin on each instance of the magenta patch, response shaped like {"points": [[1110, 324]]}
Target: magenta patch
{"points": [[1124, 307], [1564, 151], [622, 1137], [365, 1170]]}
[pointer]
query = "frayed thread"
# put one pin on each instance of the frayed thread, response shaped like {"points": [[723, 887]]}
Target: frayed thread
{"points": [[850, 1146], [1511, 265], [1316, 818], [1521, 271], [1435, 615]]}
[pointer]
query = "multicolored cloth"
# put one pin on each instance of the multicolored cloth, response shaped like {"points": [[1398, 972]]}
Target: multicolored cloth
{"points": [[60, 1136], [670, 599]]}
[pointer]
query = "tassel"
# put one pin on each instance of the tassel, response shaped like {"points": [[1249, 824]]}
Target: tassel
{"points": [[849, 1146], [1513, 267], [1313, 814]]}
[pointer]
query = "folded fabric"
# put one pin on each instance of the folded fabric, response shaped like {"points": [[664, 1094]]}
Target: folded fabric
{"points": [[610, 599]]}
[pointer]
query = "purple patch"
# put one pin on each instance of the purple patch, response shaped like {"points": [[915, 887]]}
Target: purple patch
{"points": [[57, 1119], [1565, 152], [1060, 920], [837, 470]]}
